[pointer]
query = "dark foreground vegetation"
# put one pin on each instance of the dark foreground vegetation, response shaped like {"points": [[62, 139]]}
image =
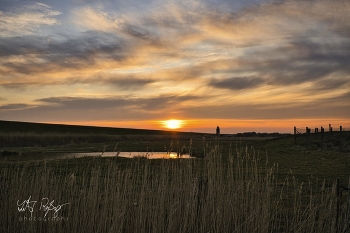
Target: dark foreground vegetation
{"points": [[220, 193], [240, 185]]}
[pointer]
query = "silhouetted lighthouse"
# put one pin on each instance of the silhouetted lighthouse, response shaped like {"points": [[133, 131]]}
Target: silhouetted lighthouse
{"points": [[217, 131]]}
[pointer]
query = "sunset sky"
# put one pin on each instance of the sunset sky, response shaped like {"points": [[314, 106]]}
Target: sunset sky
{"points": [[245, 65]]}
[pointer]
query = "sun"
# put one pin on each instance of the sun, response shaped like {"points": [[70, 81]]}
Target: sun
{"points": [[173, 124]]}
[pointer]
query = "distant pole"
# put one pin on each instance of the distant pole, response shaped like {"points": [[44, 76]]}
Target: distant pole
{"points": [[341, 128], [322, 132], [295, 135], [307, 134], [316, 131], [330, 131]]}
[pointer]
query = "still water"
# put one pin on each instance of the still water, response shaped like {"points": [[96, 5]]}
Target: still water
{"points": [[148, 155], [65, 155]]}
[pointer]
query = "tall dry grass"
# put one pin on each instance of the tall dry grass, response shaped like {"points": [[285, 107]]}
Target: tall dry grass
{"points": [[238, 192]]}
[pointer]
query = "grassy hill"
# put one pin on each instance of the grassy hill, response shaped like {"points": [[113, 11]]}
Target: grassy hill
{"points": [[25, 134], [29, 127]]}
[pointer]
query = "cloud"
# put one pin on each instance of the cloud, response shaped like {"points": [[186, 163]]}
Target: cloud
{"points": [[320, 109], [178, 35], [128, 107], [93, 108], [157, 103], [87, 43], [158, 107], [117, 81], [27, 19], [14, 106], [141, 33], [306, 61], [129, 83], [331, 84], [43, 54], [96, 19], [339, 100], [237, 83], [77, 103], [99, 20]]}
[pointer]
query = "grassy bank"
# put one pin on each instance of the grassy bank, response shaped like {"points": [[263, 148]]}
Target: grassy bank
{"points": [[41, 128], [221, 193], [38, 135], [305, 161]]}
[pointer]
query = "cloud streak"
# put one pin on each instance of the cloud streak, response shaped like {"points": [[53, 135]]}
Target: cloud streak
{"points": [[96, 19], [14, 106], [27, 19], [130, 108], [237, 83]]}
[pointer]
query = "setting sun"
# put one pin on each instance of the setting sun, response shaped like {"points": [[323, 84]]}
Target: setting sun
{"points": [[173, 124]]}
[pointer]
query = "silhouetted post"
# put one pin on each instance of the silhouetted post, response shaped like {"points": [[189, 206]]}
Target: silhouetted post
{"points": [[217, 131], [322, 132], [316, 131], [307, 134], [341, 128], [330, 131], [295, 135]]}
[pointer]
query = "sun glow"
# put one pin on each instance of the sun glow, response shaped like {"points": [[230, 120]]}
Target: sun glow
{"points": [[173, 124]]}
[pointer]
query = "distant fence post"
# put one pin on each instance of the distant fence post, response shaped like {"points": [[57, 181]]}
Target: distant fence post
{"points": [[295, 135], [316, 132], [322, 133], [330, 131], [307, 134], [341, 128]]}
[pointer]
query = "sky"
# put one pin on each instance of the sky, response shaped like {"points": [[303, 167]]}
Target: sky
{"points": [[263, 66]]}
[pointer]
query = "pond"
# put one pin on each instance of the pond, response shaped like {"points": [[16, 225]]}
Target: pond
{"points": [[64, 155], [148, 155]]}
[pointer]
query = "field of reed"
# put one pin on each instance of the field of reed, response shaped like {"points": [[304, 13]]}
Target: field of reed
{"points": [[234, 191]]}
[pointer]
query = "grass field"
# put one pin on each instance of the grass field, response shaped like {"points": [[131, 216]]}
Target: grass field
{"points": [[240, 185]]}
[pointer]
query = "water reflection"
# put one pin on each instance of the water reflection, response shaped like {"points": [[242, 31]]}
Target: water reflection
{"points": [[148, 155], [64, 155]]}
